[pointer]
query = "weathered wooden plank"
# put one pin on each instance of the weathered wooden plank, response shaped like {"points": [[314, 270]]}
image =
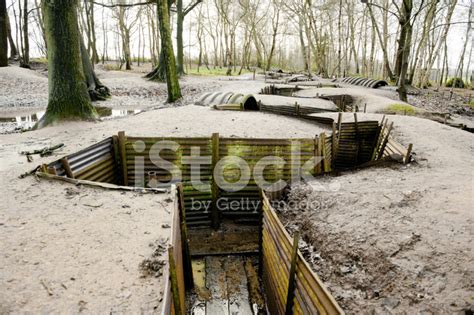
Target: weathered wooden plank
{"points": [[217, 284]]}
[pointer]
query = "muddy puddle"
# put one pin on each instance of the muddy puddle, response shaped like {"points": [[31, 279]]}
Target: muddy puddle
{"points": [[26, 121]]}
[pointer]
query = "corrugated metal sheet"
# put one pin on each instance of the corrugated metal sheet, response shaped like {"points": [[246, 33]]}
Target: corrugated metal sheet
{"points": [[245, 101], [369, 83], [310, 296], [94, 163]]}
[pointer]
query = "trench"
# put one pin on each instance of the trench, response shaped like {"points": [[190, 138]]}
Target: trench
{"points": [[228, 250]]}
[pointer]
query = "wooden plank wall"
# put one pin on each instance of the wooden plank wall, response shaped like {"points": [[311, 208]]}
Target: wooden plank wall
{"points": [[196, 217], [356, 143], [174, 300], [213, 149], [252, 151], [310, 294]]}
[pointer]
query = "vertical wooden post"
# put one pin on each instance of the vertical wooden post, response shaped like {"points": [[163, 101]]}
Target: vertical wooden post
{"points": [[291, 279], [357, 139], [333, 148], [178, 308], [188, 269], [322, 141], [317, 166], [123, 156], [214, 188], [385, 140], [67, 167], [407, 157], [339, 121], [379, 140], [52, 170], [260, 236], [118, 163]]}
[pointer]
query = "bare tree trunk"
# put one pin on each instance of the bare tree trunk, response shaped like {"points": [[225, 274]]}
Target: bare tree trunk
{"points": [[460, 68], [303, 46], [97, 91], [91, 35], [426, 71], [25, 60], [430, 15], [179, 37], [383, 45], [3, 34], [404, 43], [275, 22], [13, 49], [174, 91]]}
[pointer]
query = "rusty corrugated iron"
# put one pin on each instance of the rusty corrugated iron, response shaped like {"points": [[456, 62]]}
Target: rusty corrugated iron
{"points": [[366, 82], [236, 101]]}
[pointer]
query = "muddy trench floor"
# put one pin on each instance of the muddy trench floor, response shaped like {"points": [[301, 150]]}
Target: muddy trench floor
{"points": [[225, 285]]}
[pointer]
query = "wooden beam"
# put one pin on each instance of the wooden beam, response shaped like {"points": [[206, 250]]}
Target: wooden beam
{"points": [[333, 143], [260, 235], [188, 269], [327, 164], [178, 308], [408, 155], [214, 188], [123, 156], [116, 150], [357, 139], [292, 275], [384, 143], [67, 167]]}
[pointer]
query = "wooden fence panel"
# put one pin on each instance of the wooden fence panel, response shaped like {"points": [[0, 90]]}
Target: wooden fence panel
{"points": [[310, 296]]}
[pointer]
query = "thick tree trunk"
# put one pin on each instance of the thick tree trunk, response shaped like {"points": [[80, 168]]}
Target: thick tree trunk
{"points": [[97, 91], [68, 97], [169, 63], [3, 34], [158, 74], [179, 37]]}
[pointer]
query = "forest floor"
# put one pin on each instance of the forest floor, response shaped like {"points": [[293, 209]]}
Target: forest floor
{"points": [[391, 239]]}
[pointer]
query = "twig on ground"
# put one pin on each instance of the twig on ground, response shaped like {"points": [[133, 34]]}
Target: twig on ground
{"points": [[44, 151], [46, 287]]}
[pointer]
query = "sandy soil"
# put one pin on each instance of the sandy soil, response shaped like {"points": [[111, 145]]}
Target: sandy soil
{"points": [[396, 238], [52, 233]]}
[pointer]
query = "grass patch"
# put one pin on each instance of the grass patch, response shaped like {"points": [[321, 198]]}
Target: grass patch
{"points": [[213, 71], [401, 109], [112, 67], [41, 60]]}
